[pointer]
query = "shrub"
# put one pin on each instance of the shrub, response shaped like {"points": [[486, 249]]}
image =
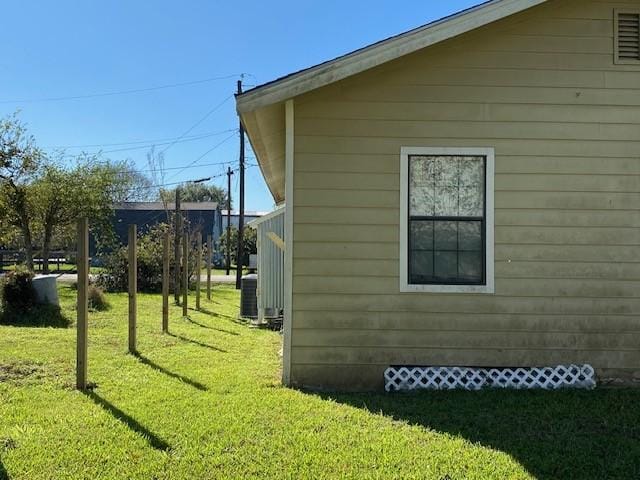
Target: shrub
{"points": [[249, 245], [115, 277], [18, 292], [97, 299]]}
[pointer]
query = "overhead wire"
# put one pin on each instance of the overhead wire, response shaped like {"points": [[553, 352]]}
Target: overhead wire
{"points": [[204, 155], [202, 119], [122, 92], [137, 142], [143, 147]]}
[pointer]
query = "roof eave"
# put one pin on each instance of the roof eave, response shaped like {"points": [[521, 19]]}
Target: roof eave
{"points": [[379, 53]]}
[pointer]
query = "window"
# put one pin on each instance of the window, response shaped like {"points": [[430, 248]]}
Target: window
{"points": [[627, 36], [447, 220]]}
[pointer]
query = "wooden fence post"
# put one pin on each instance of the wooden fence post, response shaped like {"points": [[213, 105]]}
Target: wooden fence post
{"points": [[83, 304], [198, 270], [133, 287], [209, 254], [165, 284], [185, 273]]}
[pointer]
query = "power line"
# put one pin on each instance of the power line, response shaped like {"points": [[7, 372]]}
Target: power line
{"points": [[143, 147], [182, 168], [121, 92], [202, 165], [190, 129], [137, 142], [204, 155], [199, 180]]}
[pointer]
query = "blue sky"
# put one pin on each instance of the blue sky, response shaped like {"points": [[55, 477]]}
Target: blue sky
{"points": [[73, 48]]}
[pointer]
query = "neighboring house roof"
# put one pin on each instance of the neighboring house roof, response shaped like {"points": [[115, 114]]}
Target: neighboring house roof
{"points": [[381, 52], [169, 206]]}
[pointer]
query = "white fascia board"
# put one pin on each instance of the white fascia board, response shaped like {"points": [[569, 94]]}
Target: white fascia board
{"points": [[257, 221], [380, 53]]}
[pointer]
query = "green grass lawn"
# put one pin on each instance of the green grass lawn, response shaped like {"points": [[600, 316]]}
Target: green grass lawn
{"points": [[205, 402]]}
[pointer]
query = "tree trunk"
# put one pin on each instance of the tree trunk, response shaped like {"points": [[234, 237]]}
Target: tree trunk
{"points": [[28, 247], [46, 250]]}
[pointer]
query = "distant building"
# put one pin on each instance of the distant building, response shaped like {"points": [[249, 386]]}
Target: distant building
{"points": [[235, 217], [201, 216]]}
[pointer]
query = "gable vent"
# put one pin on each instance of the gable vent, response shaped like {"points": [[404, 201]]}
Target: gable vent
{"points": [[628, 36]]}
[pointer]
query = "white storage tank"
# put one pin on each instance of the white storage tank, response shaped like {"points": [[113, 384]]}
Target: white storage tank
{"points": [[46, 289]]}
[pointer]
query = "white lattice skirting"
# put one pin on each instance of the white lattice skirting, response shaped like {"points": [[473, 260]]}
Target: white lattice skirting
{"points": [[451, 378]]}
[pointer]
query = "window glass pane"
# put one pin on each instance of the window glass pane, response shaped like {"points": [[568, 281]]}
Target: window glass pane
{"points": [[421, 266], [471, 171], [422, 201], [446, 236], [446, 170], [446, 266], [421, 186], [446, 250], [471, 201], [446, 201], [421, 235], [470, 236], [470, 266]]}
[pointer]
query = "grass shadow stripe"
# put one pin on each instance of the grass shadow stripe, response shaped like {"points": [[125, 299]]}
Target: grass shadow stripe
{"points": [[196, 342], [151, 438], [151, 364], [202, 325], [4, 475]]}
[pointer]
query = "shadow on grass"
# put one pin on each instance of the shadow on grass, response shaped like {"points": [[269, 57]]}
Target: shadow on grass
{"points": [[41, 316], [202, 325], [564, 434], [153, 440], [145, 361], [195, 342], [4, 475]]}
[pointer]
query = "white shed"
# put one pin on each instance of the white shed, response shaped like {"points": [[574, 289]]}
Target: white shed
{"points": [[270, 245]]}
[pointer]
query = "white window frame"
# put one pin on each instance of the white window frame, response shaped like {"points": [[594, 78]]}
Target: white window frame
{"points": [[489, 154]]}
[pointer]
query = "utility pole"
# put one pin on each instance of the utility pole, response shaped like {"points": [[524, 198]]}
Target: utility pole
{"points": [[229, 173], [176, 249], [240, 255]]}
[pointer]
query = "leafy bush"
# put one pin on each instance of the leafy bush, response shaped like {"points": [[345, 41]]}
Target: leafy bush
{"points": [[116, 265], [249, 244], [97, 299], [18, 292]]}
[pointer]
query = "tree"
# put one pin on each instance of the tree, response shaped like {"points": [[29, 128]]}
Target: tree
{"points": [[249, 244], [197, 192], [41, 198], [89, 189], [19, 161]]}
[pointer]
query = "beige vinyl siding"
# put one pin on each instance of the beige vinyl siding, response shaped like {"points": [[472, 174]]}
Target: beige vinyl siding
{"points": [[543, 90]]}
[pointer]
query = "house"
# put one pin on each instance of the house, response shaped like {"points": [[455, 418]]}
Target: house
{"points": [[464, 194], [235, 217], [204, 217]]}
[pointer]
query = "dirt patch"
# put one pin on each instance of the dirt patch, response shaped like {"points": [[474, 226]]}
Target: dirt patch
{"points": [[7, 443], [24, 372]]}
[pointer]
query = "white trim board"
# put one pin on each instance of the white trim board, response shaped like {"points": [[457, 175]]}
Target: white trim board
{"points": [[380, 53], [405, 286], [257, 221], [288, 241]]}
